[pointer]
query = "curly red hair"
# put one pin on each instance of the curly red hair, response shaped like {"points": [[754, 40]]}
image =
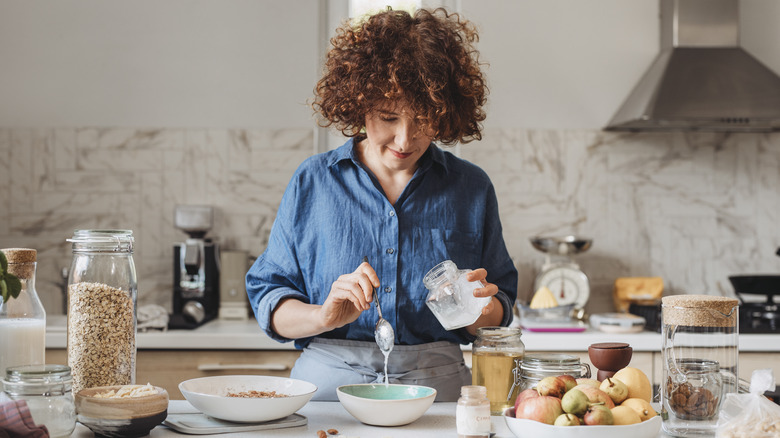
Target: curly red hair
{"points": [[427, 61]]}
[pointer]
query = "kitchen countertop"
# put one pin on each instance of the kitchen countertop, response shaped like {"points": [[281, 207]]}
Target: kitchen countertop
{"points": [[438, 421], [246, 335]]}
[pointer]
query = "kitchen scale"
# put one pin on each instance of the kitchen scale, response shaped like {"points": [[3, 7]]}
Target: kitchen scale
{"points": [[560, 273]]}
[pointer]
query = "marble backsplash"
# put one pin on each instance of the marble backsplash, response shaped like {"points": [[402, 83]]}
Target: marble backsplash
{"points": [[692, 208]]}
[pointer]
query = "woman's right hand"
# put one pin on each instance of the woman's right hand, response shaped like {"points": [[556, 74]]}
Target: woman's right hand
{"points": [[349, 296]]}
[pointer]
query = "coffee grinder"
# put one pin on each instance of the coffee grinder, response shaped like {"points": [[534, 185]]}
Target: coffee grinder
{"points": [[195, 269]]}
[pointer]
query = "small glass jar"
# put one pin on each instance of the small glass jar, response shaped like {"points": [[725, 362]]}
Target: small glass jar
{"points": [[472, 413], [496, 356], [451, 297], [693, 391], [102, 295], [537, 366], [22, 319], [47, 391], [700, 346]]}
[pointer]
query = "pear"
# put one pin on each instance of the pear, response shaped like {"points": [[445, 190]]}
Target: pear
{"points": [[567, 420], [615, 389], [575, 402]]}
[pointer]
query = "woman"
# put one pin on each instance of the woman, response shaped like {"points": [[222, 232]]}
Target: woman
{"points": [[393, 85]]}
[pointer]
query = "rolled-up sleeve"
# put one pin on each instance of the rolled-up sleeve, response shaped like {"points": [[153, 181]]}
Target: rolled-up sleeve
{"points": [[275, 275]]}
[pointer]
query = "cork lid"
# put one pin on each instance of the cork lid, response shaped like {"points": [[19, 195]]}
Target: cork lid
{"points": [[700, 310], [19, 260], [20, 255]]}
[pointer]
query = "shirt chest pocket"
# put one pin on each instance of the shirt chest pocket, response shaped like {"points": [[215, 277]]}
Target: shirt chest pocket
{"points": [[432, 246]]}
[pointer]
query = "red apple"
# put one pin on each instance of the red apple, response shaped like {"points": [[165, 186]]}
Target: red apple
{"points": [[544, 409], [552, 386], [524, 394], [570, 381], [596, 395]]}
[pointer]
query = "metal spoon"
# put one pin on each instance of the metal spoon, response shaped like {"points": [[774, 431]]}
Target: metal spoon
{"points": [[383, 331]]}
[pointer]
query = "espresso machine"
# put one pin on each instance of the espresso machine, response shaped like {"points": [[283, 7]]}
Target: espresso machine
{"points": [[195, 269]]}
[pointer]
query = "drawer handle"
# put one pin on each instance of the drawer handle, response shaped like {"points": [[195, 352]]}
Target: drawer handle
{"points": [[241, 366]]}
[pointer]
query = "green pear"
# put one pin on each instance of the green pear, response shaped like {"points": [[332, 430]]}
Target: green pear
{"points": [[575, 402], [567, 420]]}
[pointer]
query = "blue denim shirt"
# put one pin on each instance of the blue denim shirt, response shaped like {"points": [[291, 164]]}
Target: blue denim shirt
{"points": [[334, 212]]}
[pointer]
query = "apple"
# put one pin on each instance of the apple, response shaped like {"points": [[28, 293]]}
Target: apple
{"points": [[615, 389], [575, 402], [567, 420], [544, 409], [524, 394], [551, 386], [598, 415], [570, 381], [596, 395], [592, 382]]}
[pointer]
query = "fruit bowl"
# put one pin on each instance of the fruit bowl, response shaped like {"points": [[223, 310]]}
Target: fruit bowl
{"points": [[522, 428]]}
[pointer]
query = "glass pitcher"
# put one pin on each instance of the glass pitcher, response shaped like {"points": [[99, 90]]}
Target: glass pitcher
{"points": [[700, 353]]}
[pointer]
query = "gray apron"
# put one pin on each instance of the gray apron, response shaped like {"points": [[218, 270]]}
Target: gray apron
{"points": [[330, 363]]}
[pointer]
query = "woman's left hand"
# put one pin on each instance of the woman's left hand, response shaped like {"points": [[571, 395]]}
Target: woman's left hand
{"points": [[489, 290], [493, 312]]}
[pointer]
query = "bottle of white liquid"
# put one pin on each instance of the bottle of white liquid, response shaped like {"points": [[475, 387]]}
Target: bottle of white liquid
{"points": [[22, 319]]}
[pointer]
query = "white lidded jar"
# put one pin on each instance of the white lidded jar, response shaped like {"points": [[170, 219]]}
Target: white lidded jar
{"points": [[102, 295], [472, 413], [22, 319]]}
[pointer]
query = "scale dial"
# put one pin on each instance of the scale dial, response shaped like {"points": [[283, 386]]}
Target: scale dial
{"points": [[568, 284]]}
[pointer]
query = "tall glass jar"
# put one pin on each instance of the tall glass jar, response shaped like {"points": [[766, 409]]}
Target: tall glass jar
{"points": [[22, 319], [537, 366], [700, 353], [47, 391], [496, 356], [102, 295]]}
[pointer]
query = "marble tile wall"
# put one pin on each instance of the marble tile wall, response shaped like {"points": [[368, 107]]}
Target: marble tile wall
{"points": [[692, 208]]}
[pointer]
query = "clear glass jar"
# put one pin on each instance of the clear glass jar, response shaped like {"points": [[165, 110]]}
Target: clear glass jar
{"points": [[47, 391], [451, 297], [22, 319], [472, 413], [537, 366], [700, 352], [496, 356], [102, 295]]}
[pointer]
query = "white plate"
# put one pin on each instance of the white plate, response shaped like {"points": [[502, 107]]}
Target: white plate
{"points": [[522, 428], [209, 395]]}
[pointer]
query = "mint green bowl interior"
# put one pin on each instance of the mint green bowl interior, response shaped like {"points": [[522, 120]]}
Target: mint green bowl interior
{"points": [[392, 392]]}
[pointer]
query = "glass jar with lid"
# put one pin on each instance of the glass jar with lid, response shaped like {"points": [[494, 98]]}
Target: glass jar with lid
{"points": [[47, 391], [451, 296], [102, 296], [537, 366], [495, 364]]}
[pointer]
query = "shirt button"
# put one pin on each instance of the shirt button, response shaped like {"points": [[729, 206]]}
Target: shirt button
{"points": [[388, 289], [392, 213], [390, 250]]}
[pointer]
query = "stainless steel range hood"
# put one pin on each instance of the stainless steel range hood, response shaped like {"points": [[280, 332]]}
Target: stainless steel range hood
{"points": [[702, 79]]}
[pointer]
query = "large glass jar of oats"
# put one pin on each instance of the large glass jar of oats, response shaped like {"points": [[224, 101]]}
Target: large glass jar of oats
{"points": [[102, 295]]}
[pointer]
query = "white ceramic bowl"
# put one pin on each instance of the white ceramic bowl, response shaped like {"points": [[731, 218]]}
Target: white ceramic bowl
{"points": [[210, 396], [523, 428], [380, 405]]}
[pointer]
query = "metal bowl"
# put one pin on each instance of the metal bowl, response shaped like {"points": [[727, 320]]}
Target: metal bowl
{"points": [[565, 245]]}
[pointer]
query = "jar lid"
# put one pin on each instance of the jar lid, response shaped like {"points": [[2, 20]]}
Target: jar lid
{"points": [[699, 310], [20, 261], [538, 360], [38, 374], [498, 332], [112, 240]]}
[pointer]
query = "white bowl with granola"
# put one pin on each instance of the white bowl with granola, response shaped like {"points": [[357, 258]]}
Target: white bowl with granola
{"points": [[122, 410], [247, 399]]}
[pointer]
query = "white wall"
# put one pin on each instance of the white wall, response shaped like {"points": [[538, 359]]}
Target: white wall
{"points": [[553, 64], [157, 63]]}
